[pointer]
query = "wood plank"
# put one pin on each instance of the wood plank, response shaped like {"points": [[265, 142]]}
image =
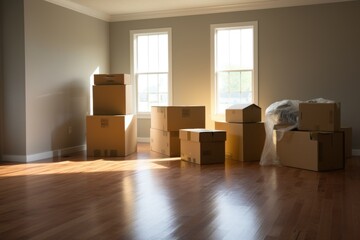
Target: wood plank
{"points": [[151, 196]]}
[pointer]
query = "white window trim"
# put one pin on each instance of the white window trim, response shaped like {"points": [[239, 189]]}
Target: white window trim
{"points": [[213, 27], [132, 34]]}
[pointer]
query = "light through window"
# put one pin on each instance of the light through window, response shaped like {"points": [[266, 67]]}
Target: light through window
{"points": [[151, 68], [234, 64]]}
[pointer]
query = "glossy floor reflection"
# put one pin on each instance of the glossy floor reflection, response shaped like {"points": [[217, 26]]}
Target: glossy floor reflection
{"points": [[151, 196]]}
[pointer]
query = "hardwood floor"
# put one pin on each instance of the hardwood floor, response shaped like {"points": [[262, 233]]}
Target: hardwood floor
{"points": [[151, 196]]}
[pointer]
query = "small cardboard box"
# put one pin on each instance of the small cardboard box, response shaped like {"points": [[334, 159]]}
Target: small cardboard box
{"points": [[347, 141], [244, 141], [112, 100], [317, 151], [111, 79], [167, 143], [173, 118], [319, 117], [202, 135], [243, 113], [111, 136], [202, 146]]}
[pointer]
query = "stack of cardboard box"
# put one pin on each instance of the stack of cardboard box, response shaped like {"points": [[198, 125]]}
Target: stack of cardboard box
{"points": [[245, 133], [166, 121], [202, 146], [320, 143], [112, 129]]}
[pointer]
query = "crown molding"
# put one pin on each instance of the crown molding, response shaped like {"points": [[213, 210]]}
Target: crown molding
{"points": [[218, 9], [245, 6], [81, 9]]}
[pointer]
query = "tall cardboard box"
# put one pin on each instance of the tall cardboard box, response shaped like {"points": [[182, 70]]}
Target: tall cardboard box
{"points": [[173, 118], [165, 142], [112, 99], [111, 136], [202, 146], [244, 141], [110, 79], [317, 151], [319, 117], [243, 113]]}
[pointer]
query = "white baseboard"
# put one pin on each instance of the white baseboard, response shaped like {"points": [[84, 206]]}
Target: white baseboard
{"points": [[65, 151], [143, 139], [43, 155]]}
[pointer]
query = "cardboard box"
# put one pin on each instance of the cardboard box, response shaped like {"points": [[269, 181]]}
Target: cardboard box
{"points": [[244, 141], [173, 118], [112, 100], [202, 146], [111, 136], [167, 143], [319, 116], [243, 113], [202, 135], [317, 151], [347, 141], [110, 79]]}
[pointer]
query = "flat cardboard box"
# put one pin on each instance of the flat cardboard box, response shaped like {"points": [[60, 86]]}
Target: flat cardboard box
{"points": [[316, 151], [202, 152], [110, 79], [319, 117], [202, 135], [244, 141], [112, 100], [173, 118], [347, 141], [111, 136], [243, 113], [167, 143]]}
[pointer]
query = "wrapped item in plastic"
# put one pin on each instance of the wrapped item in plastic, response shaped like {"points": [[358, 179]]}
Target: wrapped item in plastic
{"points": [[320, 100], [283, 116]]}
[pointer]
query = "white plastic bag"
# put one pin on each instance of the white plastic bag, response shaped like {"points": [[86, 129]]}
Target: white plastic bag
{"points": [[286, 113]]}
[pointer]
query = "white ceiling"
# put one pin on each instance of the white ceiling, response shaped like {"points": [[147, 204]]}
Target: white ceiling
{"points": [[121, 10]]}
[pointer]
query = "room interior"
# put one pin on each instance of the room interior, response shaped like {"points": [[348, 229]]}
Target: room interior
{"points": [[50, 51]]}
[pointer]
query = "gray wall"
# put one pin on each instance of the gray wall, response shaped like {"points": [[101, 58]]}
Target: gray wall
{"points": [[1, 80], [304, 53], [50, 57], [13, 81], [63, 51]]}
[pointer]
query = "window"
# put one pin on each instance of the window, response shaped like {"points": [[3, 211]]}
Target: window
{"points": [[234, 65], [151, 68]]}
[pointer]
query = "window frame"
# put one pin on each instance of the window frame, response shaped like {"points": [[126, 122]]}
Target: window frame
{"points": [[213, 28], [133, 34]]}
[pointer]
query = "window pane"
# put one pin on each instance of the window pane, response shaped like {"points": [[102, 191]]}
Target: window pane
{"points": [[234, 63], [153, 53], [222, 49], [234, 50], [153, 98], [233, 88], [163, 99], [153, 83], [163, 83], [142, 54], [151, 65], [142, 83], [143, 107], [163, 53], [247, 46]]}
